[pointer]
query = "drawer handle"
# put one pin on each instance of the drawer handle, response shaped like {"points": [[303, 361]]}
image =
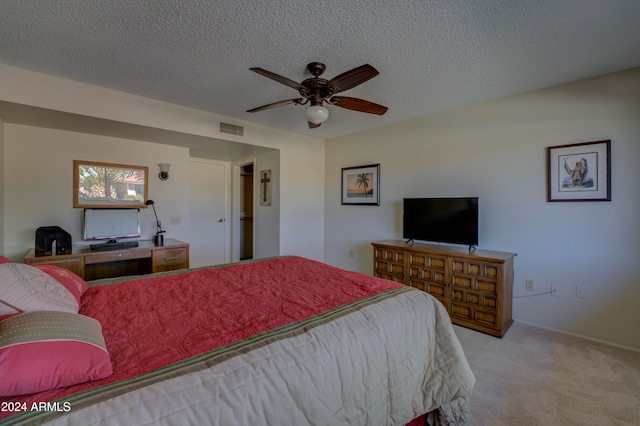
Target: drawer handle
{"points": [[172, 258]]}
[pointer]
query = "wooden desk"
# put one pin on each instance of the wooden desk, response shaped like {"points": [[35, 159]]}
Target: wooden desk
{"points": [[144, 259]]}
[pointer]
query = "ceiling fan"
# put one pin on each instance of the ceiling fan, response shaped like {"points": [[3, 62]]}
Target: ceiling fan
{"points": [[316, 91]]}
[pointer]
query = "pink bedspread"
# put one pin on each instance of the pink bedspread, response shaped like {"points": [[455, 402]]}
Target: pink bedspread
{"points": [[149, 323]]}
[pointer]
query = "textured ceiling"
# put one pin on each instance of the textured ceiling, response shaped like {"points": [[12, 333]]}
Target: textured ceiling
{"points": [[432, 56]]}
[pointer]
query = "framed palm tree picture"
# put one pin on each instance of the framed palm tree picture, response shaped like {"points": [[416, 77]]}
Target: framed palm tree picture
{"points": [[361, 185]]}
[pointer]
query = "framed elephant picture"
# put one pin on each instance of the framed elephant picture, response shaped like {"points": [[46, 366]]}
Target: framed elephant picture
{"points": [[579, 172]]}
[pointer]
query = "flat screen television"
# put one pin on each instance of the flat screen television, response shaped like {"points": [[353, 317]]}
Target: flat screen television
{"points": [[111, 224], [444, 220]]}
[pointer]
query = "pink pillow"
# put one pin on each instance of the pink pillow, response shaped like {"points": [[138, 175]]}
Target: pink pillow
{"points": [[36, 357], [25, 288], [68, 279], [4, 260]]}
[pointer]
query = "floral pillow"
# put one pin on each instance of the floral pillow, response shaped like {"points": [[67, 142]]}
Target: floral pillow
{"points": [[72, 282], [24, 288]]}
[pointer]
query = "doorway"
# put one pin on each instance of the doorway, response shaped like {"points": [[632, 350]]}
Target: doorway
{"points": [[246, 211]]}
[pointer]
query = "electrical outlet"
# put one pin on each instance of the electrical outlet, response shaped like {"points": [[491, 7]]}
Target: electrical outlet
{"points": [[555, 291], [176, 220], [581, 292], [351, 254], [529, 284]]}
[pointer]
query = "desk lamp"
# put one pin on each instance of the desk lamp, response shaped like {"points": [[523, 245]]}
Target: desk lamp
{"points": [[158, 239]]}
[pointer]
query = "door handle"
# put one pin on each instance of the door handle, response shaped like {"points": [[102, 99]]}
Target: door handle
{"points": [[221, 220]]}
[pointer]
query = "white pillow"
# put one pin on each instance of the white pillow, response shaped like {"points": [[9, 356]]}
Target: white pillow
{"points": [[24, 288]]}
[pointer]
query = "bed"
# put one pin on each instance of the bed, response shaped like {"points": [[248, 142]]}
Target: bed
{"points": [[279, 341]]}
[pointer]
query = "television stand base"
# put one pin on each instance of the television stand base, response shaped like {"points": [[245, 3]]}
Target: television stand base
{"points": [[476, 287]]}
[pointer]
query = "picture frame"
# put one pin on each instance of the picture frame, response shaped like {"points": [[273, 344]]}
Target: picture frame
{"points": [[579, 172], [107, 185], [361, 185]]}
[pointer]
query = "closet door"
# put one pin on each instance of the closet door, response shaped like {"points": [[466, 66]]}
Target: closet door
{"points": [[208, 212]]}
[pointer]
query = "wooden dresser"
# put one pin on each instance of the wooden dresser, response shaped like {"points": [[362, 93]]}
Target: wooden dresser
{"points": [[476, 287], [144, 259]]}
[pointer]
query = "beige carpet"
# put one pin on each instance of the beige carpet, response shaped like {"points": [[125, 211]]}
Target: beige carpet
{"points": [[534, 376]]}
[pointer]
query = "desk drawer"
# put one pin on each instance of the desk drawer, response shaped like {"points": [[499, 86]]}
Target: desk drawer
{"points": [[72, 263], [168, 260], [117, 256]]}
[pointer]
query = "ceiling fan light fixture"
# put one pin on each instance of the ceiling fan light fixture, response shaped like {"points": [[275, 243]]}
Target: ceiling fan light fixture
{"points": [[317, 114], [316, 91]]}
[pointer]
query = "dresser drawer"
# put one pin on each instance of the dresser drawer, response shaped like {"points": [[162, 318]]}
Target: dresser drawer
{"points": [[439, 291], [474, 299], [427, 274], [116, 256], [383, 253], [468, 314], [73, 264], [476, 268], [167, 260], [390, 267], [391, 277], [428, 261]]}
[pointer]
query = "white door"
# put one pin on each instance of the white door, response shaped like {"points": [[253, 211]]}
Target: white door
{"points": [[208, 212]]}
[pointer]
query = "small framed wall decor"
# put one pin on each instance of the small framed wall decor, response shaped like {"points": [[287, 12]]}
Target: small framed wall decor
{"points": [[265, 187], [361, 185], [579, 172]]}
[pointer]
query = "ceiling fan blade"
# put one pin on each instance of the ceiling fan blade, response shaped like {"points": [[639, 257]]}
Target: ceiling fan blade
{"points": [[313, 125], [280, 79], [358, 105], [352, 78], [277, 104]]}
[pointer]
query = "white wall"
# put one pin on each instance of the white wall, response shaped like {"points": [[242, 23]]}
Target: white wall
{"points": [[301, 158], [39, 177], [497, 151], [302, 194]]}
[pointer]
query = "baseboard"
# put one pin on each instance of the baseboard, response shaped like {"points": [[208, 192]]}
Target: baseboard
{"points": [[580, 336]]}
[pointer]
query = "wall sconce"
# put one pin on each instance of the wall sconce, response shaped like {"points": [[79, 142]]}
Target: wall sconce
{"points": [[164, 171]]}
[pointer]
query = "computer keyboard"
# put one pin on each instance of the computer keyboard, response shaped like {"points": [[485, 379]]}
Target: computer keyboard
{"points": [[113, 246]]}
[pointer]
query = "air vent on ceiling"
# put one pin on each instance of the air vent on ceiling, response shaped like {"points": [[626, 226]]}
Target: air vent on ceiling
{"points": [[231, 129]]}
